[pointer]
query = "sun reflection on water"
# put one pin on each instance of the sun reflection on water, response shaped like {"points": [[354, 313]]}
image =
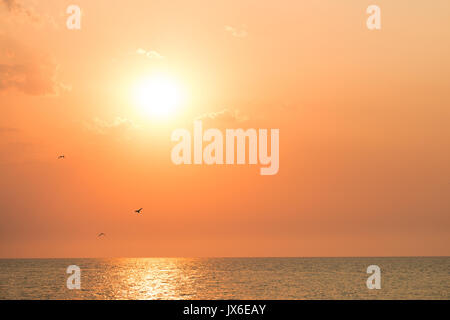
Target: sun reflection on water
{"points": [[223, 278]]}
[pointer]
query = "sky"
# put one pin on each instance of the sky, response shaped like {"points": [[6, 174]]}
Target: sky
{"points": [[363, 119]]}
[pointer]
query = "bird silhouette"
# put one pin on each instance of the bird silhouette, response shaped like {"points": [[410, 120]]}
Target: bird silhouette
{"points": [[101, 234], [138, 210], [61, 157]]}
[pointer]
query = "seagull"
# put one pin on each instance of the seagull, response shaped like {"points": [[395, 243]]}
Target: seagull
{"points": [[101, 234], [61, 157], [138, 210]]}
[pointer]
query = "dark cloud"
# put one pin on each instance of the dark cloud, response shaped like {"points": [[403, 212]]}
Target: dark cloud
{"points": [[10, 4], [16, 7]]}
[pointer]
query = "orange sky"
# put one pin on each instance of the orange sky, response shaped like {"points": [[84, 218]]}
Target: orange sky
{"points": [[363, 118]]}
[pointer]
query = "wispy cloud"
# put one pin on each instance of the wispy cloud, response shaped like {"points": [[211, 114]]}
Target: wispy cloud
{"points": [[117, 126], [10, 4], [24, 12], [235, 32], [26, 70], [16, 7], [152, 54], [6, 130], [223, 117]]}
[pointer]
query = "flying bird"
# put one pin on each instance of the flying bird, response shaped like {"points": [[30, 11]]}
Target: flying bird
{"points": [[101, 234], [138, 210], [61, 157]]}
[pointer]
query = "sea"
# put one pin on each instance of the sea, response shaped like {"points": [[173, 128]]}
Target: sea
{"points": [[225, 278]]}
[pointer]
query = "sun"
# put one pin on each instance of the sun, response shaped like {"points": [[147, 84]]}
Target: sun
{"points": [[158, 95]]}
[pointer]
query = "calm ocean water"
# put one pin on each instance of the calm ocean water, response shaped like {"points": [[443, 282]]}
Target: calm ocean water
{"points": [[226, 278]]}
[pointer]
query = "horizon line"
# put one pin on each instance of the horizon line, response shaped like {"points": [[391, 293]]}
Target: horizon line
{"points": [[224, 257]]}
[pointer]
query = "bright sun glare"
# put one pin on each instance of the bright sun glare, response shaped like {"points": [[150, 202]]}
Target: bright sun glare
{"points": [[158, 96]]}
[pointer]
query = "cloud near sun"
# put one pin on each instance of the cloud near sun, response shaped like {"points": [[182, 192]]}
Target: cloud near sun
{"points": [[152, 54], [235, 32], [225, 116], [116, 126]]}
